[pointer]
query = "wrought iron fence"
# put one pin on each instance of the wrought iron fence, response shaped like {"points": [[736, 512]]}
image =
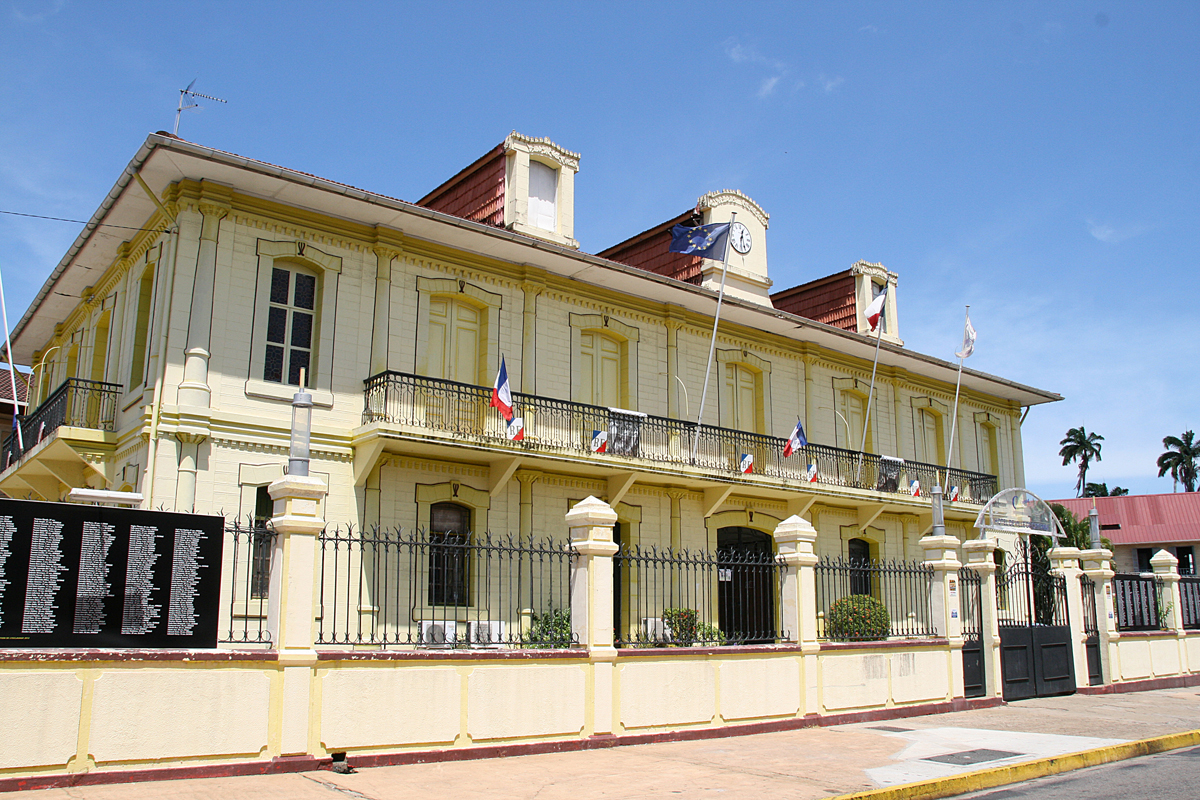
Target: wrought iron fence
{"points": [[248, 565], [901, 588], [1138, 599], [1028, 593], [1087, 587], [391, 587], [80, 403], [970, 602], [464, 411], [688, 598], [1189, 601]]}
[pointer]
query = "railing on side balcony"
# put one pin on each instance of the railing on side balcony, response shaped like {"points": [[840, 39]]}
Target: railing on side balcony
{"points": [[695, 598], [79, 403], [464, 412], [443, 590], [901, 588], [1189, 601], [1138, 599]]}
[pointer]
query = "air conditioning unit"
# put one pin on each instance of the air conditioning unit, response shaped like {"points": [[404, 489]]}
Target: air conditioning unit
{"points": [[437, 633], [655, 630], [486, 633]]}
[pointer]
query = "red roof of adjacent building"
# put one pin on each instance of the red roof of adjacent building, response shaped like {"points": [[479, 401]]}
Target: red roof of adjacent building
{"points": [[1143, 518]]}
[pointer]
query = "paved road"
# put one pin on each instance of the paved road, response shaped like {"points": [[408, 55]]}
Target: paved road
{"points": [[1166, 776]]}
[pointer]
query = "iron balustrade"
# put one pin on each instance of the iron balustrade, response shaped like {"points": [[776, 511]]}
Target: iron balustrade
{"points": [[77, 402], [1087, 587], [248, 556], [391, 587], [970, 602], [663, 597], [903, 587], [1189, 601], [1028, 593], [1138, 600], [464, 412]]}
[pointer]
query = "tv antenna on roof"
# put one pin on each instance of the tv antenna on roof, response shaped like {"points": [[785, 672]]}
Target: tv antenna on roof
{"points": [[187, 102]]}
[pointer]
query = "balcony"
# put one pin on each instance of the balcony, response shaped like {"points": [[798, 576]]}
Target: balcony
{"points": [[462, 413], [88, 409]]}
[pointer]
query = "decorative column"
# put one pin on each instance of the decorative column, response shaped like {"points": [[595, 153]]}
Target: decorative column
{"points": [[673, 326], [1097, 565], [297, 521], [1064, 561], [980, 560], [194, 390], [527, 478], [591, 523], [941, 555], [185, 484], [531, 289], [795, 539], [383, 307]]}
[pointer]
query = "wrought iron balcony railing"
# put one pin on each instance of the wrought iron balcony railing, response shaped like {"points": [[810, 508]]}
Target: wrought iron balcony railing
{"points": [[464, 412], [79, 403]]}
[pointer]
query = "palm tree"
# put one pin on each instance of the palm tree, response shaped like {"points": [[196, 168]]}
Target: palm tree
{"points": [[1081, 446], [1180, 459]]}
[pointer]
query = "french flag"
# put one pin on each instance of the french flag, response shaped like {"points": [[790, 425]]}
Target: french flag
{"points": [[516, 430], [747, 465], [813, 475], [797, 439], [502, 393], [875, 310]]}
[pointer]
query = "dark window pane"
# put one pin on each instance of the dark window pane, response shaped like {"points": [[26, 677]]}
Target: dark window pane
{"points": [[449, 554], [273, 364], [276, 325], [299, 361], [306, 291], [301, 329], [260, 564], [279, 285]]}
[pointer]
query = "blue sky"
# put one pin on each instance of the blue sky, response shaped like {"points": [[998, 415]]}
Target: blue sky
{"points": [[1038, 161]]}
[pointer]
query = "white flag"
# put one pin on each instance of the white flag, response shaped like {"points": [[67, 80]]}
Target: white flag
{"points": [[968, 340]]}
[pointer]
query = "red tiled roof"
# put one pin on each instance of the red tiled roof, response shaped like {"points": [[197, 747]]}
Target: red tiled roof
{"points": [[475, 193], [650, 250], [1143, 518], [6, 386], [830, 300]]}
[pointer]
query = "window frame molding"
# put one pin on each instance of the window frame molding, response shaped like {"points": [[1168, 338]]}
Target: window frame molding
{"points": [[479, 502], [939, 410], [327, 268], [626, 335], [456, 288], [762, 387]]}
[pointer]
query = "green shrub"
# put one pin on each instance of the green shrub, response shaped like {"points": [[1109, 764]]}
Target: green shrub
{"points": [[687, 629], [552, 629], [858, 617]]}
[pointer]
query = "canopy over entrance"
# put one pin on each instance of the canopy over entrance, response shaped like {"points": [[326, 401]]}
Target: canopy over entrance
{"points": [[1021, 512]]}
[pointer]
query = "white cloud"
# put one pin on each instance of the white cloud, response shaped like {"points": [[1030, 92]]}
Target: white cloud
{"points": [[768, 86], [1113, 235], [38, 11], [829, 84]]}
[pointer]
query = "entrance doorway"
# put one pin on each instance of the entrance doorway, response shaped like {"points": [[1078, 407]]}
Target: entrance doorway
{"points": [[746, 585], [1036, 652]]}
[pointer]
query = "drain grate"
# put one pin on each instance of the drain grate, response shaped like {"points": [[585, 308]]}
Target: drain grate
{"points": [[890, 729], [967, 757]]}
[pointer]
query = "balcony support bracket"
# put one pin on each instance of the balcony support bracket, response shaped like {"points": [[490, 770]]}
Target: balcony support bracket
{"points": [[800, 506], [366, 456], [868, 514], [714, 497], [618, 485], [501, 473]]}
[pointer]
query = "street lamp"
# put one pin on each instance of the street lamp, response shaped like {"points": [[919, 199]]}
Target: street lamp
{"points": [[302, 405]]}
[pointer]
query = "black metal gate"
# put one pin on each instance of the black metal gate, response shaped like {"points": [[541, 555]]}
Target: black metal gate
{"points": [[1092, 631], [971, 605], [1036, 654]]}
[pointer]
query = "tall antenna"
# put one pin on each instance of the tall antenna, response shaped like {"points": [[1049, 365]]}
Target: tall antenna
{"points": [[187, 102]]}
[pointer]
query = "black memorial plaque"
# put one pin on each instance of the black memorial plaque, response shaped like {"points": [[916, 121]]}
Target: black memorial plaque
{"points": [[93, 576]]}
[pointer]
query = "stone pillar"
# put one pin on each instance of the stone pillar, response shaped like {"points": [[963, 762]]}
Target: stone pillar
{"points": [[676, 494], [795, 538], [381, 326], [194, 390], [527, 478], [531, 290], [941, 554], [1166, 570], [1065, 561], [1097, 565], [979, 557], [185, 485], [298, 520], [673, 409], [591, 523]]}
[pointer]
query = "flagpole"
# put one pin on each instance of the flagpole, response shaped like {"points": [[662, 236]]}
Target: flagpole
{"points": [[712, 347], [12, 369], [870, 393], [954, 420]]}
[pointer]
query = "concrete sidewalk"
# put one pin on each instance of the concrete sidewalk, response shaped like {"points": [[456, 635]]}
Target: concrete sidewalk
{"points": [[808, 763]]}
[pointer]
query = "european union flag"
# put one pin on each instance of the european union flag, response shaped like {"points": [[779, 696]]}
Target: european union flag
{"points": [[703, 240]]}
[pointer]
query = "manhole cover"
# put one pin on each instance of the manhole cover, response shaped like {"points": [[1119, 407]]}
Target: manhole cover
{"points": [[972, 756], [890, 729]]}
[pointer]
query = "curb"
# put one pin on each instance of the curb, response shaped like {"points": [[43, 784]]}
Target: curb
{"points": [[1028, 770]]}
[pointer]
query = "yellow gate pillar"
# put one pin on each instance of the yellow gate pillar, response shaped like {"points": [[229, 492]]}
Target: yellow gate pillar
{"points": [[591, 523]]}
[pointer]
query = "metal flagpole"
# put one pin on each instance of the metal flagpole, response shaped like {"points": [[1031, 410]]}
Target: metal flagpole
{"points": [[957, 385], [12, 368], [712, 347], [870, 393]]}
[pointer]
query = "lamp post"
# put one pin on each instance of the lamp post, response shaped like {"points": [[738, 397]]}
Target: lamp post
{"points": [[302, 405]]}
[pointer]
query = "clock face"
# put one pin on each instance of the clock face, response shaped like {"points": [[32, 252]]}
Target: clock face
{"points": [[740, 238]]}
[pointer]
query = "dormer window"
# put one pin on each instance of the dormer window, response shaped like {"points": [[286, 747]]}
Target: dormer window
{"points": [[543, 196], [877, 288]]}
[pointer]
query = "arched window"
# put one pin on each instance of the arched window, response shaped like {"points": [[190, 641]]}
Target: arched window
{"points": [[449, 554], [291, 328], [855, 406], [141, 327], [745, 585], [457, 340], [930, 437], [543, 196], [858, 551], [600, 370]]}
